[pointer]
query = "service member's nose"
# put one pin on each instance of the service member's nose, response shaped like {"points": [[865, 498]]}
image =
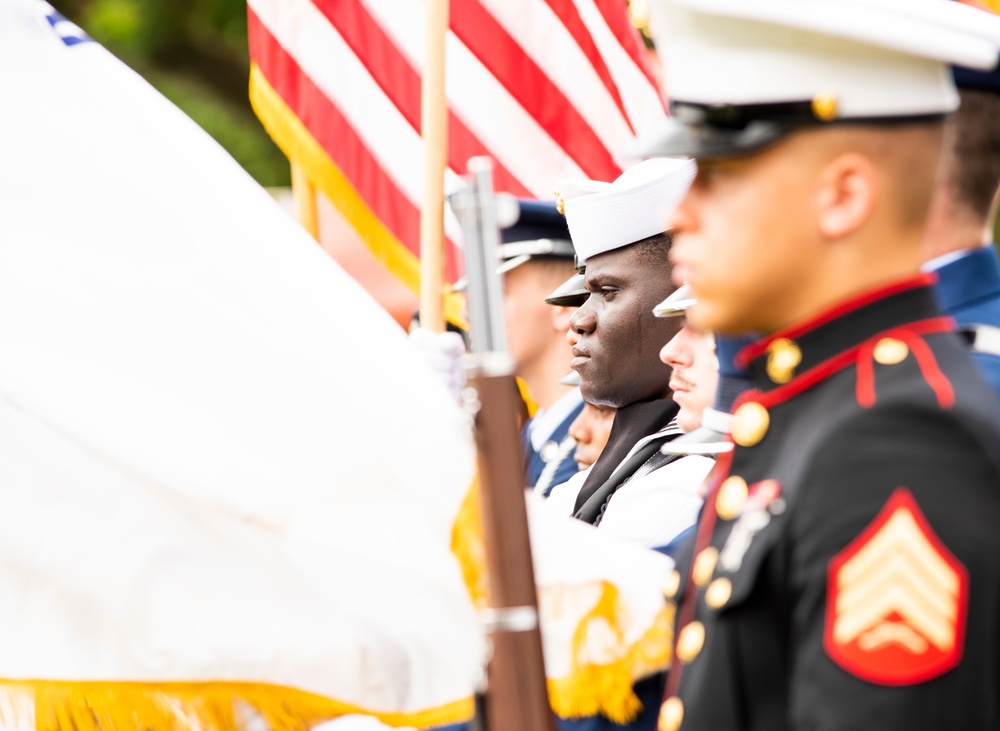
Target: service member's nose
{"points": [[681, 218], [677, 351], [582, 322]]}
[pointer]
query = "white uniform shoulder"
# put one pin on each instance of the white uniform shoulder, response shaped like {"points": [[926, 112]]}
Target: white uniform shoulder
{"points": [[655, 508], [562, 499]]}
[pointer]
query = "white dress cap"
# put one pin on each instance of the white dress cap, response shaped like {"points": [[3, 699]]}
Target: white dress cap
{"points": [[858, 58], [607, 216]]}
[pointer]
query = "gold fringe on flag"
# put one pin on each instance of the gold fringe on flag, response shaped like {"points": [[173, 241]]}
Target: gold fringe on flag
{"points": [[49, 705], [590, 688], [606, 689]]}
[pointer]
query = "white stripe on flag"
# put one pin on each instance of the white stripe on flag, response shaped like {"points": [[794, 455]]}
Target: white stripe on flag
{"points": [[325, 57], [514, 138], [641, 99], [534, 26]]}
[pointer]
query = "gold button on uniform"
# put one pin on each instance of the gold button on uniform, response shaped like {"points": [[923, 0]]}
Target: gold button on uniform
{"points": [[672, 584], [783, 356], [671, 715], [750, 423], [704, 565], [690, 641], [718, 592], [731, 498], [889, 351]]}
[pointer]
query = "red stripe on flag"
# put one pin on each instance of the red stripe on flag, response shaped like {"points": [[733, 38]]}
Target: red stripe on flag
{"points": [[341, 142], [569, 16], [615, 14], [401, 84], [532, 89]]}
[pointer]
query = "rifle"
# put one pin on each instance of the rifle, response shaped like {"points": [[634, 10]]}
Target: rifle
{"points": [[517, 694]]}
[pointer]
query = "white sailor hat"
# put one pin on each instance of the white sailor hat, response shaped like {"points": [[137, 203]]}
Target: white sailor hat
{"points": [[743, 73], [603, 217]]}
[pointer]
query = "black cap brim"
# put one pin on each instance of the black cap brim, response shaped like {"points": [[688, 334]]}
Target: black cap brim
{"points": [[571, 293], [704, 142]]}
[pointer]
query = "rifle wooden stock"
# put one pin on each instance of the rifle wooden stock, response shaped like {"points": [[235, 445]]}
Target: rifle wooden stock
{"points": [[517, 697]]}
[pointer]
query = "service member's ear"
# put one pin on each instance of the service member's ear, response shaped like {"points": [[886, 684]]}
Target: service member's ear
{"points": [[846, 195]]}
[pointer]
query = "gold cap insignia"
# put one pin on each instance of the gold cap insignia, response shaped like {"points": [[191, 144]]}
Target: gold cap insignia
{"points": [[560, 202], [824, 107]]}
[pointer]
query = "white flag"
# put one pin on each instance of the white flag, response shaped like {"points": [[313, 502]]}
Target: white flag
{"points": [[221, 466]]}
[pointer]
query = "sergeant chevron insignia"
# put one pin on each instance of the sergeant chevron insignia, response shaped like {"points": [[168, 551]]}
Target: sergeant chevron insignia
{"points": [[896, 600]]}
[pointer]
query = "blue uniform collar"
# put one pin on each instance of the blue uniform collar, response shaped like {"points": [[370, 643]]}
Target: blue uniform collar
{"points": [[972, 277]]}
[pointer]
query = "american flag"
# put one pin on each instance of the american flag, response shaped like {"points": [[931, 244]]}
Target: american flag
{"points": [[549, 89]]}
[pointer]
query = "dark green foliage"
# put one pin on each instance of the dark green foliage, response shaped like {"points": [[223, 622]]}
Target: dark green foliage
{"points": [[195, 53]]}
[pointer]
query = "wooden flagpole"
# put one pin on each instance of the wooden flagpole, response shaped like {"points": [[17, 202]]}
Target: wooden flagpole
{"points": [[434, 130]]}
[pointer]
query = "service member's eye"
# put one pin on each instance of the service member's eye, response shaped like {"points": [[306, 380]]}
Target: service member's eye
{"points": [[601, 287]]}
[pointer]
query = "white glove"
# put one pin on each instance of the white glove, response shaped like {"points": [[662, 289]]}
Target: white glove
{"points": [[444, 353]]}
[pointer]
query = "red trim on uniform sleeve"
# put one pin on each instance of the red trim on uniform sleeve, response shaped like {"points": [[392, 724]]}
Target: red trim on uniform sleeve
{"points": [[896, 600]]}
